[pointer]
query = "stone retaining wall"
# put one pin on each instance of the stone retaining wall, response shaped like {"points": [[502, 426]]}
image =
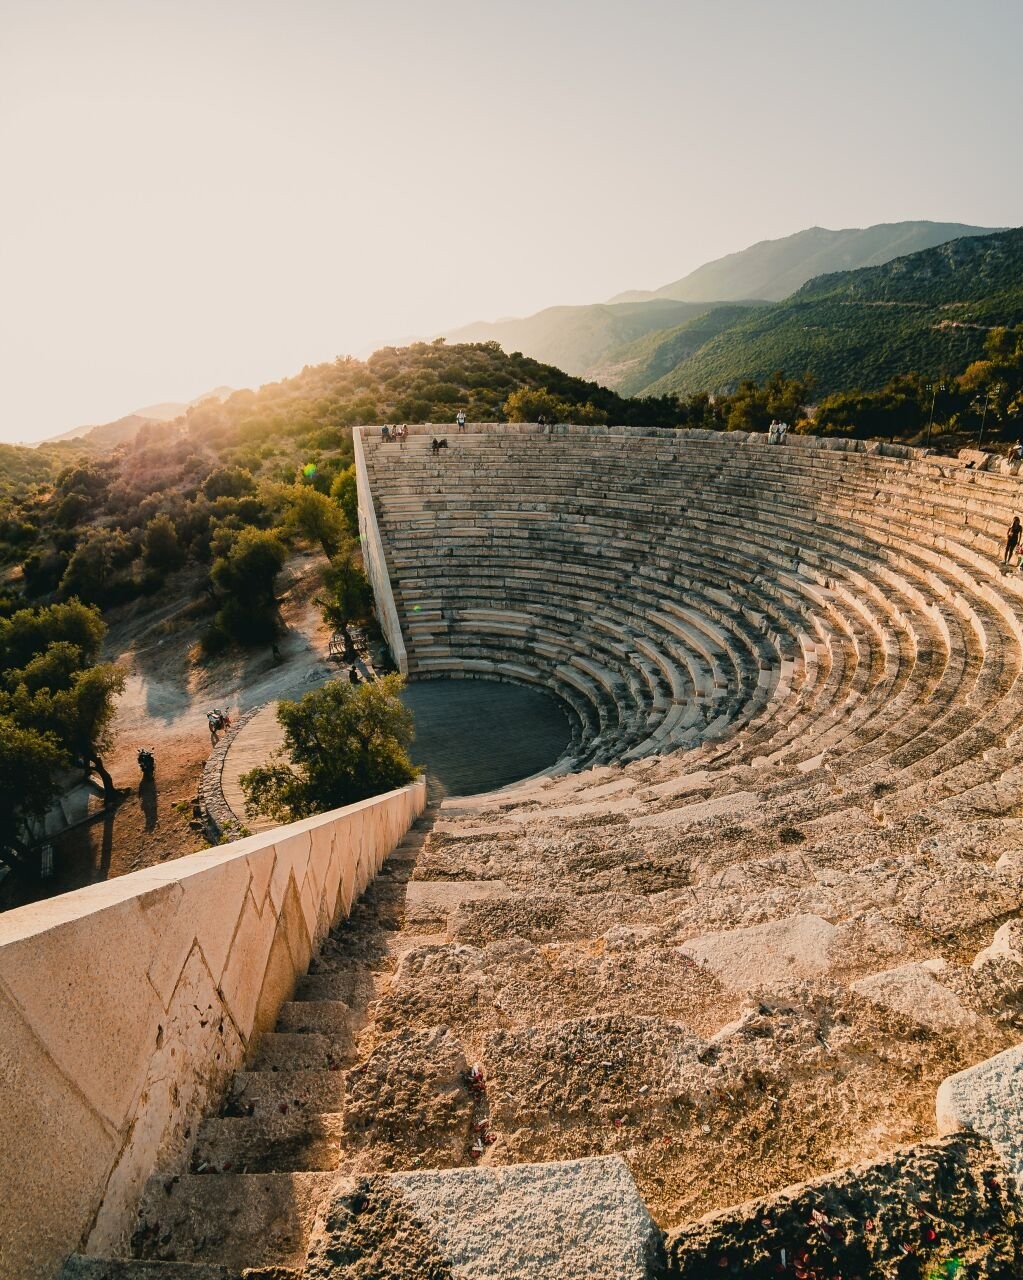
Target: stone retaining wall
{"points": [[221, 819], [375, 560], [126, 1006]]}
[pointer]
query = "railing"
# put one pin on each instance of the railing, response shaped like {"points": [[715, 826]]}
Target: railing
{"points": [[125, 1008]]}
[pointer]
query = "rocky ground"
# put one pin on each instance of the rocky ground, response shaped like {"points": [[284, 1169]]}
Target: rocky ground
{"points": [[729, 1018]]}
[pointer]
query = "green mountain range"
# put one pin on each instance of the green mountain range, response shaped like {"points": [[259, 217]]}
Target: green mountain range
{"points": [[610, 342], [773, 269], [580, 339], [928, 312]]}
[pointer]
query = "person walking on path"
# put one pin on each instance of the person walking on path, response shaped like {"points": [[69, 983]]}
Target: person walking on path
{"points": [[1012, 537]]}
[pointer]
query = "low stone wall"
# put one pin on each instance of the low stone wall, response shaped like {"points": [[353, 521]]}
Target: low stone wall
{"points": [[221, 819], [375, 560], [126, 1006]]}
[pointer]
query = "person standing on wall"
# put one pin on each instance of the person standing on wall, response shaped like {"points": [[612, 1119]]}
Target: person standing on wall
{"points": [[460, 419]]}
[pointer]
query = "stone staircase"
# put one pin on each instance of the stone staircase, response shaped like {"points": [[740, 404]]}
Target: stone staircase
{"points": [[261, 1169]]}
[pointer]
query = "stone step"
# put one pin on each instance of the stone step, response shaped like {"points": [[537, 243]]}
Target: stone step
{"points": [[79, 1267], [326, 1017], [262, 1092], [235, 1220], [301, 1051], [353, 985], [290, 1139], [574, 1219]]}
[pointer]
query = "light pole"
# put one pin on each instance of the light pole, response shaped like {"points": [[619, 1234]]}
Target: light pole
{"points": [[933, 388], [991, 391]]}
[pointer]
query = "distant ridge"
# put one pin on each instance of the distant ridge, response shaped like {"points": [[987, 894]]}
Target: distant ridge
{"points": [[108, 434], [614, 342], [774, 269], [928, 312]]}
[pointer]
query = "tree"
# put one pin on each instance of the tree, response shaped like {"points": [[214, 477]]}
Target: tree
{"points": [[246, 576], [527, 404], [31, 631], [92, 569], [30, 764], [316, 516], [342, 743], [56, 709], [349, 595], [161, 546], [345, 493]]}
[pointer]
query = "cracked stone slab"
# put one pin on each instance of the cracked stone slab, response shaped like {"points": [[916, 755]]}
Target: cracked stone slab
{"points": [[765, 954], [913, 991], [988, 1100], [574, 1219], [432, 901]]}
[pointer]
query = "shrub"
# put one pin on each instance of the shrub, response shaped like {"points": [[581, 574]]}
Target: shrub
{"points": [[342, 743], [246, 576], [161, 546]]}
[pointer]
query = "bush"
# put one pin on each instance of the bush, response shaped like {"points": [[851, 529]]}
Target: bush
{"points": [[161, 546], [228, 482], [246, 575], [342, 743], [345, 493]]}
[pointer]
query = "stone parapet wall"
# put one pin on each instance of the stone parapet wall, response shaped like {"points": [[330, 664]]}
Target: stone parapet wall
{"points": [[375, 560], [126, 1006]]}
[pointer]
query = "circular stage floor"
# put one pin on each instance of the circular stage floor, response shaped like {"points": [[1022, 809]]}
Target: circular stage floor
{"points": [[475, 735]]}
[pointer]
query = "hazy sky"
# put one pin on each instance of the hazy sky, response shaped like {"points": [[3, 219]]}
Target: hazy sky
{"points": [[196, 192]]}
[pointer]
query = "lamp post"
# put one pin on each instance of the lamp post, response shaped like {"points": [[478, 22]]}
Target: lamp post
{"points": [[991, 391], [933, 388]]}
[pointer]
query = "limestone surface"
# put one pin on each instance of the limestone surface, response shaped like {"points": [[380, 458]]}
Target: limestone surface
{"points": [[580, 1219]]}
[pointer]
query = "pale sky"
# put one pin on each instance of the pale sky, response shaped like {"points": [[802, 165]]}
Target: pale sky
{"points": [[198, 192]]}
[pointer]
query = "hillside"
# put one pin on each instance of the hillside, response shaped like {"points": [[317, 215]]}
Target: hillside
{"points": [[774, 269], [73, 515], [928, 312], [581, 340], [109, 434], [632, 368], [639, 337]]}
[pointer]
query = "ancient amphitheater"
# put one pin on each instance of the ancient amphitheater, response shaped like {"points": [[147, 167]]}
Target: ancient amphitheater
{"points": [[735, 987]]}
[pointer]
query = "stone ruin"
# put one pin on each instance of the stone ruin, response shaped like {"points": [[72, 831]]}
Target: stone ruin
{"points": [[734, 988]]}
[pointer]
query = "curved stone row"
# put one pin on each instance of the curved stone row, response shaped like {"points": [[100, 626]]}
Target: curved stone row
{"points": [[661, 632], [743, 932]]}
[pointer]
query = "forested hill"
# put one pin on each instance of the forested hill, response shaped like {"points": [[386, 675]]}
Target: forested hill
{"points": [[103, 522], [581, 340], [774, 269], [929, 312]]}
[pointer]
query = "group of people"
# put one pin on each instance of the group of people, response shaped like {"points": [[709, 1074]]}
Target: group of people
{"points": [[436, 445], [776, 432], [400, 434]]}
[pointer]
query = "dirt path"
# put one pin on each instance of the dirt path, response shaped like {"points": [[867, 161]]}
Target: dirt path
{"points": [[167, 693]]}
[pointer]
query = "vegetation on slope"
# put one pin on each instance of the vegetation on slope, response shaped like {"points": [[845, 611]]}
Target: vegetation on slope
{"points": [[929, 312], [774, 269], [581, 340], [632, 368], [192, 495]]}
